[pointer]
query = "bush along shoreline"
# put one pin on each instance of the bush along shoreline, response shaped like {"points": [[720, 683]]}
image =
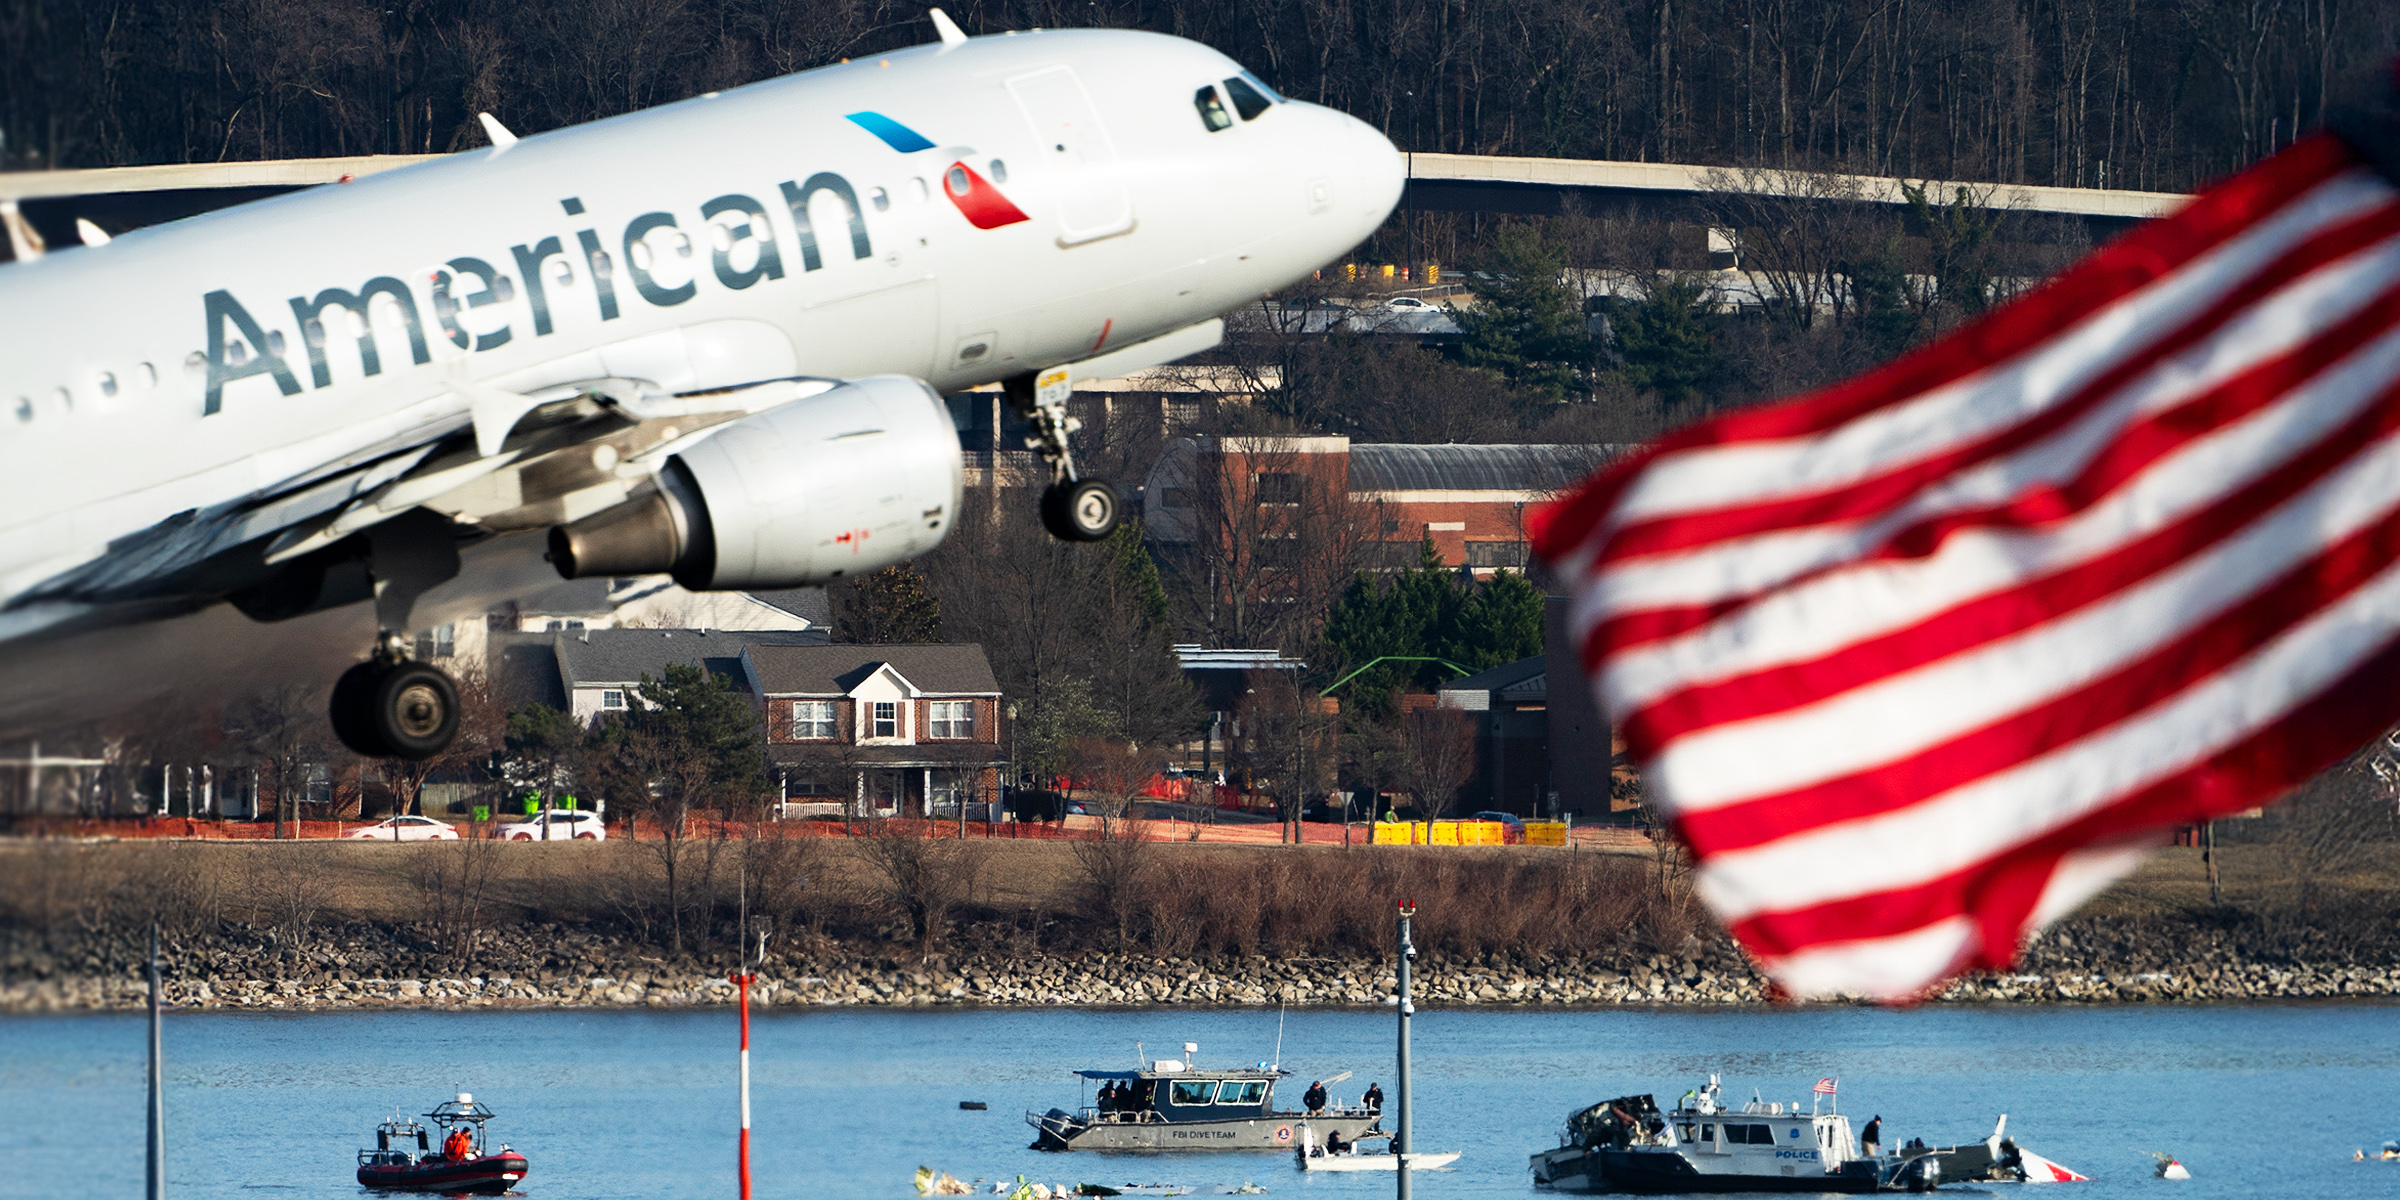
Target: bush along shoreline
{"points": [[376, 965]]}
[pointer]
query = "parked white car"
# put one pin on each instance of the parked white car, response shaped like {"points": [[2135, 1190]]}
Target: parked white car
{"points": [[405, 829], [558, 827]]}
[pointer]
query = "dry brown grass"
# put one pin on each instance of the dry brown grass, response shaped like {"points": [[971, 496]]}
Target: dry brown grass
{"points": [[1200, 900]]}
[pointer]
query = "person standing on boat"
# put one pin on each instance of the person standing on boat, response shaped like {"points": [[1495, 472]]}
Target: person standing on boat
{"points": [[1871, 1140], [1108, 1098], [1373, 1100], [1314, 1097], [458, 1146]]}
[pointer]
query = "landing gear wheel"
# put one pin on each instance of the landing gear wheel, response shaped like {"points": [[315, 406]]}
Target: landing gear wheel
{"points": [[384, 709], [1083, 511], [349, 709], [413, 710]]}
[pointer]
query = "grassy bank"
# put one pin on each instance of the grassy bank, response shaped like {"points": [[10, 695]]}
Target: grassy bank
{"points": [[903, 906]]}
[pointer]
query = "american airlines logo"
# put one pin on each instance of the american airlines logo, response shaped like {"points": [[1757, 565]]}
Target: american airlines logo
{"points": [[977, 198]]}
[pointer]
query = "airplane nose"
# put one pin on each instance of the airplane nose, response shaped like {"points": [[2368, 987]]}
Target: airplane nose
{"points": [[1379, 172]]}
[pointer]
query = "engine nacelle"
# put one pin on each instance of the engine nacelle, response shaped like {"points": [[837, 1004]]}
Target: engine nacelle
{"points": [[848, 480]]}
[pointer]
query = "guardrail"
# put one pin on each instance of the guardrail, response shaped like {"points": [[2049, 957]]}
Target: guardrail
{"points": [[1466, 833]]}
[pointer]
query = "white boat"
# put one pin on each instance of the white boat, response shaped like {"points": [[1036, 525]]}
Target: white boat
{"points": [[1628, 1145], [1313, 1157]]}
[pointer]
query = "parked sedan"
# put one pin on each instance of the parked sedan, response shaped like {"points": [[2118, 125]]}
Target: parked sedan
{"points": [[556, 826], [405, 829]]}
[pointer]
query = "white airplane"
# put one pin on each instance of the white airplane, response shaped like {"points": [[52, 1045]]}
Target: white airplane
{"points": [[707, 339]]}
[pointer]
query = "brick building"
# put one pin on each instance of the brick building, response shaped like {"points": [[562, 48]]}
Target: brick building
{"points": [[880, 730], [1368, 506]]}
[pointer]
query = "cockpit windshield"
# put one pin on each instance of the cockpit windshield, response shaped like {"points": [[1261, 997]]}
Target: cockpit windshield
{"points": [[1246, 99]]}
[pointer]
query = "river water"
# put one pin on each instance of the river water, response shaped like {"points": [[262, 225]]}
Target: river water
{"points": [[2263, 1100]]}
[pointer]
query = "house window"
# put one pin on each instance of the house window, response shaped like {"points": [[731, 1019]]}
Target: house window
{"points": [[812, 719], [612, 698], [1174, 497], [953, 719], [1279, 487], [887, 719]]}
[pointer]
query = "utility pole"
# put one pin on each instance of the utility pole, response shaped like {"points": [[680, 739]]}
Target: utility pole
{"points": [[1408, 952]]}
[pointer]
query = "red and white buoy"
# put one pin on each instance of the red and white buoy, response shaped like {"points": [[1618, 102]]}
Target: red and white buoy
{"points": [[742, 980]]}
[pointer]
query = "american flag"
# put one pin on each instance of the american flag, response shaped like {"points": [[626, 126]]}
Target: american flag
{"points": [[1921, 661], [1824, 1087]]}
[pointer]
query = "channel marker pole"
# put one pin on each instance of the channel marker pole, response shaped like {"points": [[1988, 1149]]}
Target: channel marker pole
{"points": [[1408, 951], [158, 1104], [743, 977]]}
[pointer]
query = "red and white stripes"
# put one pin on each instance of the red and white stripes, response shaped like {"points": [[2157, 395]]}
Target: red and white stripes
{"points": [[1921, 660]]}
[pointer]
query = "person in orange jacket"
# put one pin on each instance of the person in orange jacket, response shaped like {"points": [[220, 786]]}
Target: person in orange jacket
{"points": [[458, 1146]]}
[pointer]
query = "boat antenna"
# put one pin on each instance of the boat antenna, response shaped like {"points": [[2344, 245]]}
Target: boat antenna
{"points": [[1281, 1007], [156, 1188]]}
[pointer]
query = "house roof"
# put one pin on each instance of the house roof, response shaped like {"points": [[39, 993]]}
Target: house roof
{"points": [[809, 604], [592, 657], [1456, 468], [789, 670], [1525, 679]]}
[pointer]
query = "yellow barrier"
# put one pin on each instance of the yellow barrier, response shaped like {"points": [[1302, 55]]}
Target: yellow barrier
{"points": [[1545, 833], [1443, 833]]}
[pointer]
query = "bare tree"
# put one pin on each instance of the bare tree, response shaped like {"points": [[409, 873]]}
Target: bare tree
{"points": [[923, 879], [1289, 746], [283, 730], [1437, 757]]}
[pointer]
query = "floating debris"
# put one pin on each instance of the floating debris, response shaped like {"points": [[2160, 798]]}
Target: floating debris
{"points": [[973, 1105], [2168, 1168], [943, 1184]]}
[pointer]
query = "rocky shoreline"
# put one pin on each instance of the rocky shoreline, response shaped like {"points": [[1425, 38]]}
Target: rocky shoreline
{"points": [[385, 967]]}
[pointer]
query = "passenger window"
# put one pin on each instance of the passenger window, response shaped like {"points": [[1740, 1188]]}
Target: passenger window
{"points": [[1708, 1133], [1212, 110], [1246, 99], [882, 200], [1241, 1093], [1184, 1091]]}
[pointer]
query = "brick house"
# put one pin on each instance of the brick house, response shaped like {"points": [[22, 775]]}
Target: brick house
{"points": [[880, 730]]}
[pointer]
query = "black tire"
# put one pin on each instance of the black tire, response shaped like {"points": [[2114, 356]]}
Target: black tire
{"points": [[413, 711], [1084, 511], [351, 697]]}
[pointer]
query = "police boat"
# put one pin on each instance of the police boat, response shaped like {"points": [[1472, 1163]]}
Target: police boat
{"points": [[1629, 1145], [405, 1158], [1175, 1104]]}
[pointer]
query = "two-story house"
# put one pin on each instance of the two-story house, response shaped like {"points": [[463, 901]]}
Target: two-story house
{"points": [[880, 730]]}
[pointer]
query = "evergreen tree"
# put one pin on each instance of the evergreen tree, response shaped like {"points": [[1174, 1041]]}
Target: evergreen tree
{"points": [[541, 745], [1525, 324], [1500, 622], [1667, 340]]}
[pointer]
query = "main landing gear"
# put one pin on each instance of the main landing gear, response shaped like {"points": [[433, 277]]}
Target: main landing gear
{"points": [[1074, 509], [389, 706]]}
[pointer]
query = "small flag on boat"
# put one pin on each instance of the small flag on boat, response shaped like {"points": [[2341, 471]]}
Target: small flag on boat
{"points": [[1921, 661], [1824, 1087]]}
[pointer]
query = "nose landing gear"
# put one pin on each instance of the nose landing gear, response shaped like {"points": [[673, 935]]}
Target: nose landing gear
{"points": [[1074, 509]]}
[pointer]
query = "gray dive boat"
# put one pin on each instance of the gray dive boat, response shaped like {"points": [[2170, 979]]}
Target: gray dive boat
{"points": [[1174, 1104]]}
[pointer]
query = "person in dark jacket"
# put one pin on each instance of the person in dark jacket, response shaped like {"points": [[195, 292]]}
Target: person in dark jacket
{"points": [[1314, 1097], [1871, 1141], [1373, 1100]]}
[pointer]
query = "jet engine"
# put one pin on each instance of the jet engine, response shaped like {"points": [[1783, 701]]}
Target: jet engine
{"points": [[848, 480]]}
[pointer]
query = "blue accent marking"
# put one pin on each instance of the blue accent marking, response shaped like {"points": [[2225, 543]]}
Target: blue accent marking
{"points": [[894, 134]]}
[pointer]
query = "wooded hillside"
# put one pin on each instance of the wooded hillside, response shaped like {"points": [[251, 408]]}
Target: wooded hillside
{"points": [[2152, 94]]}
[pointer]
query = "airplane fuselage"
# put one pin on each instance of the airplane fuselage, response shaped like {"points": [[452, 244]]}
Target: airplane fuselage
{"points": [[962, 214]]}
